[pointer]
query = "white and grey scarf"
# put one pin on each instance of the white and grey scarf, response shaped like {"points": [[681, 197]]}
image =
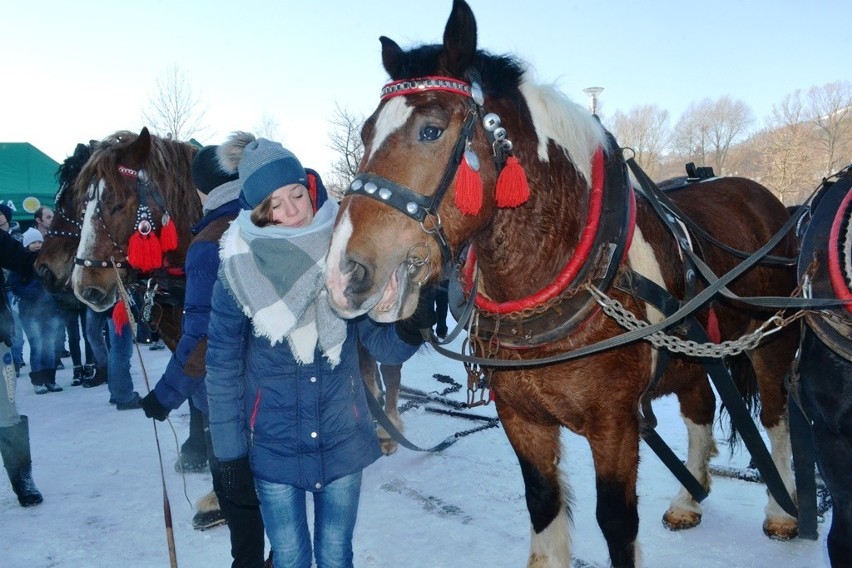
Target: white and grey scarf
{"points": [[276, 275]]}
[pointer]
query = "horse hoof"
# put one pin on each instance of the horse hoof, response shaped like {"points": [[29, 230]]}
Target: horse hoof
{"points": [[781, 529], [680, 520]]}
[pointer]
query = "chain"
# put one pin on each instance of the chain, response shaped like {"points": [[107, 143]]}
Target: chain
{"points": [[614, 309]]}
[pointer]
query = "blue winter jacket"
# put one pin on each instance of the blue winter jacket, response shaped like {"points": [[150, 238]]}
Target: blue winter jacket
{"points": [[301, 425], [184, 374]]}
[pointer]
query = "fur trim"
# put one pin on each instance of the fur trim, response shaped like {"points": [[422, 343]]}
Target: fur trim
{"points": [[207, 503], [231, 152]]}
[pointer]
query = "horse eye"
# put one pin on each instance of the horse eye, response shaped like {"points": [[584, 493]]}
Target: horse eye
{"points": [[430, 133]]}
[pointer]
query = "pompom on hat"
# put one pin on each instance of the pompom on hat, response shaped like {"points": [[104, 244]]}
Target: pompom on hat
{"points": [[32, 235], [265, 166], [207, 171]]}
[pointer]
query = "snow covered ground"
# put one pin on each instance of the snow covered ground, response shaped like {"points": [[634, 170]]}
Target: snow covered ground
{"points": [[103, 501]]}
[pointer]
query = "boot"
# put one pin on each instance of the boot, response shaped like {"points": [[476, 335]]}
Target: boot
{"points": [[15, 448], [77, 380], [37, 379], [99, 378], [88, 371], [50, 380]]}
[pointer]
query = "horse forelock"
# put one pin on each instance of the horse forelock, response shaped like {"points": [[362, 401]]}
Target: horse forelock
{"points": [[568, 124]]}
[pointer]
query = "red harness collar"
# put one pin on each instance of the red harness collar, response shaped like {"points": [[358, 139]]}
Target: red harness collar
{"points": [[569, 273]]}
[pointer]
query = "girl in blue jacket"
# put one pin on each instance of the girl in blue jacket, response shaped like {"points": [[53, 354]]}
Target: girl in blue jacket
{"points": [[288, 413]]}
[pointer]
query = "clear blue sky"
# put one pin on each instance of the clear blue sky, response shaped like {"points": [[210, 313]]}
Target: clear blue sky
{"points": [[77, 70]]}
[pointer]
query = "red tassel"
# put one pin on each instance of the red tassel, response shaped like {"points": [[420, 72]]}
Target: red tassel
{"points": [[168, 235], [512, 187], [713, 332], [468, 189], [144, 252], [119, 317]]}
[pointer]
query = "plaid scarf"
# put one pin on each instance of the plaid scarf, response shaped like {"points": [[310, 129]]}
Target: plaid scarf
{"points": [[276, 275]]}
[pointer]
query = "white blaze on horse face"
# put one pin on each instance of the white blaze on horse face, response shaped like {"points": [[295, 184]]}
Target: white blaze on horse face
{"points": [[88, 237], [393, 117], [335, 280]]}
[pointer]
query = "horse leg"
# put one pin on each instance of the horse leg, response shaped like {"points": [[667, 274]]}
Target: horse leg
{"points": [[770, 364], [826, 381], [697, 407], [615, 450], [391, 377], [538, 449]]}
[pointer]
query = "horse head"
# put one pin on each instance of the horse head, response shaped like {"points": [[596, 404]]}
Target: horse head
{"points": [[430, 182], [134, 190]]}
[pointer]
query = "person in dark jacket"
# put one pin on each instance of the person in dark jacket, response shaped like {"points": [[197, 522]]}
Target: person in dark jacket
{"points": [[40, 319], [12, 227], [288, 412], [184, 375], [14, 428]]}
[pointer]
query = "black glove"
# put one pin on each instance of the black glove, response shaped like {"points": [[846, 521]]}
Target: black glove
{"points": [[153, 408], [238, 482], [423, 318]]}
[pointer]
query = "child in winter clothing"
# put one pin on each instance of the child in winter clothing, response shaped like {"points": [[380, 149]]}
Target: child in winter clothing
{"points": [[40, 318], [288, 412]]}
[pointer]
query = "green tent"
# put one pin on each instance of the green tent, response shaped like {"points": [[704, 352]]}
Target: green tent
{"points": [[27, 179]]}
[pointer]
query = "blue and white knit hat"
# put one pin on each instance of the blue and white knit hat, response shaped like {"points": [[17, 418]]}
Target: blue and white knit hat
{"points": [[265, 166]]}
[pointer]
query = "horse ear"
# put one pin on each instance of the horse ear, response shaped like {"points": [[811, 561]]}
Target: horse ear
{"points": [[138, 152], [459, 39], [391, 57]]}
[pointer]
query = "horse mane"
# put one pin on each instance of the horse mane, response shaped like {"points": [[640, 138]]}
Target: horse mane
{"points": [[554, 116]]}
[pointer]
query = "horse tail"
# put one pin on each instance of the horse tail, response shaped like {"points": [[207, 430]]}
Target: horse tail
{"points": [[745, 379]]}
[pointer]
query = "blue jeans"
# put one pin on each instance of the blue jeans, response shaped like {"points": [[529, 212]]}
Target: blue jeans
{"points": [[116, 357], [285, 518], [18, 335], [41, 325]]}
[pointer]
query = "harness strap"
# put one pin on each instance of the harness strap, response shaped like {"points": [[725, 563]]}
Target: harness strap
{"points": [[383, 419]]}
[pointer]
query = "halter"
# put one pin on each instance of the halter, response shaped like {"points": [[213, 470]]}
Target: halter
{"points": [[418, 206], [59, 211]]}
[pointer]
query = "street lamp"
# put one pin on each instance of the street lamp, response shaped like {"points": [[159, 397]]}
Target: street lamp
{"points": [[593, 93]]}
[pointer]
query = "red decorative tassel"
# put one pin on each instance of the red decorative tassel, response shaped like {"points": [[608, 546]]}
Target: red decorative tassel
{"points": [[119, 317], [144, 252], [468, 189], [168, 235], [512, 186], [713, 332]]}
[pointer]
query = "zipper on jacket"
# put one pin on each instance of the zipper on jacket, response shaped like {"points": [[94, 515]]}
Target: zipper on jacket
{"points": [[254, 417]]}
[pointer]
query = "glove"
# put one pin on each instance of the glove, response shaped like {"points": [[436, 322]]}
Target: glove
{"points": [[238, 482], [153, 408], [424, 317]]}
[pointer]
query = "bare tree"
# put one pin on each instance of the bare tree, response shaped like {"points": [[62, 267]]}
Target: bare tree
{"points": [[173, 110], [345, 140], [268, 127], [788, 152], [829, 105], [706, 130], [646, 130]]}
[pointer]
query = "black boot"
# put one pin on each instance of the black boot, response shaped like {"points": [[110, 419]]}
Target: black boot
{"points": [[77, 380], [88, 371], [99, 378], [15, 448], [37, 379], [50, 380]]}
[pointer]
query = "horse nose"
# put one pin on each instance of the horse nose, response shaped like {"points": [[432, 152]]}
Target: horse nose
{"points": [[94, 295], [359, 277]]}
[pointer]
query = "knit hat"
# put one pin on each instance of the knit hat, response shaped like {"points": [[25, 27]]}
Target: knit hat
{"points": [[207, 172], [265, 166], [32, 235], [6, 211]]}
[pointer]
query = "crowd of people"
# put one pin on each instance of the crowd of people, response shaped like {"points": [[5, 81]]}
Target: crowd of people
{"points": [[264, 362]]}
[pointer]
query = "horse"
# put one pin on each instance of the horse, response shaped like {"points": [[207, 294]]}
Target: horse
{"points": [[823, 369], [465, 150]]}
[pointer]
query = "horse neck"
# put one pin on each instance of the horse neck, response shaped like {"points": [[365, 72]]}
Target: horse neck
{"points": [[525, 248]]}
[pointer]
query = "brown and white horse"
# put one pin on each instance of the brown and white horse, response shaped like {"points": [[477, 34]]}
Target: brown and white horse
{"points": [[421, 197]]}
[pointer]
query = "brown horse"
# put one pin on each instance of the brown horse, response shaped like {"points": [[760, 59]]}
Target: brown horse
{"points": [[439, 174], [137, 185]]}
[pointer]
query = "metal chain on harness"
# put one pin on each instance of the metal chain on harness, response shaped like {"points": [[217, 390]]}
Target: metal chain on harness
{"points": [[479, 378], [614, 309], [148, 300]]}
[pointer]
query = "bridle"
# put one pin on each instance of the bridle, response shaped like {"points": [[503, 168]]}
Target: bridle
{"points": [[419, 206], [59, 211]]}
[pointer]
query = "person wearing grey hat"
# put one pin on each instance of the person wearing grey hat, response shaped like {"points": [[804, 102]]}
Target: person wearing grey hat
{"points": [[288, 412]]}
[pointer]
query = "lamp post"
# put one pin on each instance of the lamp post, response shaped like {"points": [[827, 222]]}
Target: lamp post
{"points": [[593, 93]]}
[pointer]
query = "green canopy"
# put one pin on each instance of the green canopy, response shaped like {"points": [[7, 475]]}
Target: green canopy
{"points": [[27, 179]]}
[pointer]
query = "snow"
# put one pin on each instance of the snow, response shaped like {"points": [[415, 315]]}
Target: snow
{"points": [[99, 472]]}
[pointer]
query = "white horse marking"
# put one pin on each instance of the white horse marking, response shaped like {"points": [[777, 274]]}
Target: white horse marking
{"points": [[393, 117]]}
